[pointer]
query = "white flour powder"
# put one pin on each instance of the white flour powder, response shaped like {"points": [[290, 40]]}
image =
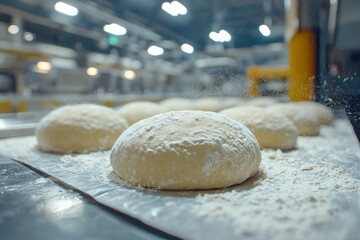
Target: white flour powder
{"points": [[295, 196]]}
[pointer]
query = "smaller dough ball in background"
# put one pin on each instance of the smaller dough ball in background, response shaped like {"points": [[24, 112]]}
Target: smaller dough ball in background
{"points": [[175, 104], [79, 128], [207, 104], [183, 150], [324, 113], [272, 130], [306, 121], [261, 101], [229, 102], [136, 111]]}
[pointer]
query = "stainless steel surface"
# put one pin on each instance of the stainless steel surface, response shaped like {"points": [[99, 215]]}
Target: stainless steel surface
{"points": [[34, 207], [19, 124]]}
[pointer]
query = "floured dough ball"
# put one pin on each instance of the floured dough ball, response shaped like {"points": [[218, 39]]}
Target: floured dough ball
{"points": [[272, 130], [182, 150], [229, 102], [175, 104], [324, 113], [207, 104], [306, 121], [79, 128], [261, 101], [136, 111]]}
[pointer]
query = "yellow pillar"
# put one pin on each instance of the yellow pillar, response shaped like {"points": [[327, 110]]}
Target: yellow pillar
{"points": [[302, 65], [5, 106]]}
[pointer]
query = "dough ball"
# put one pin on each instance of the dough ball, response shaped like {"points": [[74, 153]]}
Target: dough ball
{"points": [[207, 104], [305, 121], [136, 111], [261, 101], [182, 150], [229, 102], [324, 113], [79, 128], [271, 129], [175, 104]]}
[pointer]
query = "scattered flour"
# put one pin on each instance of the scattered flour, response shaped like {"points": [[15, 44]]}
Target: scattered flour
{"points": [[86, 163], [297, 196]]}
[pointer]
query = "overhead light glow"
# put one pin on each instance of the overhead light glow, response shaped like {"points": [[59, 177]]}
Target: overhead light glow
{"points": [[28, 36], [169, 8], [174, 8], [13, 29], [129, 74], [115, 29], [43, 67], [264, 30], [225, 36], [155, 50], [66, 9], [181, 9], [187, 48], [221, 36], [92, 71]]}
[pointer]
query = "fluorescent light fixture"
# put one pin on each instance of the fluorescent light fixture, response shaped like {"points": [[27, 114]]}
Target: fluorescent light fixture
{"points": [[129, 74], [264, 30], [155, 50], [181, 9], [213, 36], [221, 36], [66, 9], [169, 8], [43, 67], [115, 29], [13, 29], [174, 8], [28, 36], [187, 48], [225, 36], [92, 71]]}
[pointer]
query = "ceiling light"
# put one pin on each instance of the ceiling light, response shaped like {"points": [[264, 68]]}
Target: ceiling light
{"points": [[225, 36], [92, 71], [129, 74], [181, 9], [213, 36], [187, 48], [66, 9], [13, 29], [115, 29], [43, 67], [155, 50], [174, 8], [169, 8], [221, 36], [264, 30], [28, 36]]}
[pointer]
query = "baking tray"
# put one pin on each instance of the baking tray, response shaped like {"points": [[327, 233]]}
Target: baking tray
{"points": [[243, 211]]}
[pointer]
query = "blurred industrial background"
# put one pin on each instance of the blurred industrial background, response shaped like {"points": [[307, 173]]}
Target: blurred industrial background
{"points": [[111, 52]]}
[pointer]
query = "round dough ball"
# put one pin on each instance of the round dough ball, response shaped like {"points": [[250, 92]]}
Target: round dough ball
{"points": [[305, 121], [324, 113], [207, 104], [261, 101], [175, 104], [136, 111], [79, 128], [229, 102], [182, 150], [272, 130]]}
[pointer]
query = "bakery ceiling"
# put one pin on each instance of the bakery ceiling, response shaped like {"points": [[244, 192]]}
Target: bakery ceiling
{"points": [[135, 25]]}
